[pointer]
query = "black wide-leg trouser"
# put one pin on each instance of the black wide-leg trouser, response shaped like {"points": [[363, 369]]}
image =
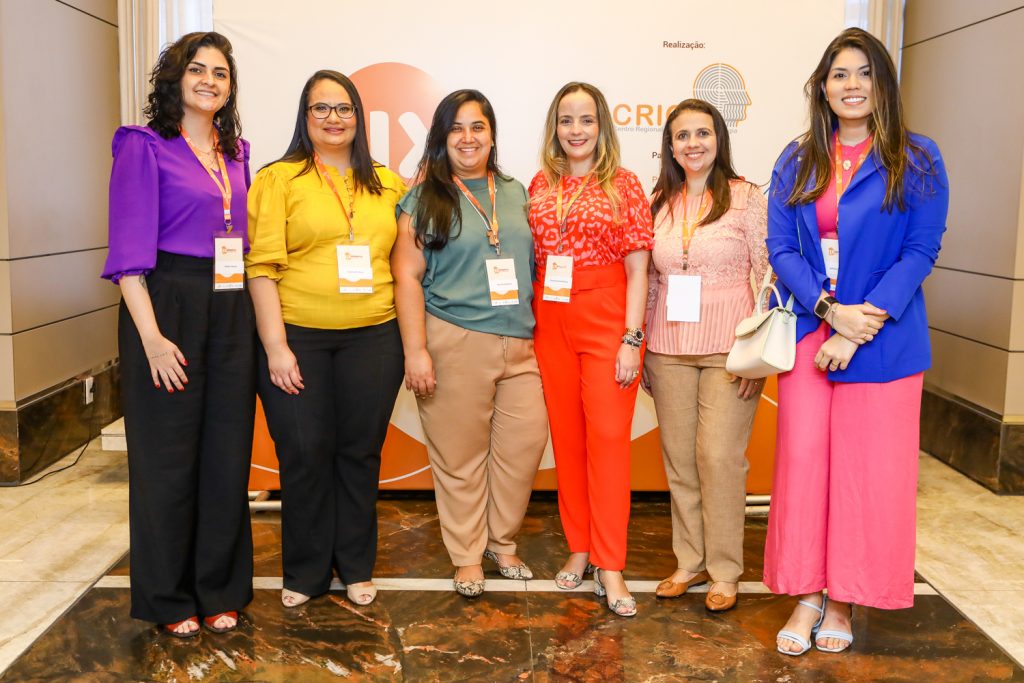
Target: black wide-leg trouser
{"points": [[328, 440], [189, 451]]}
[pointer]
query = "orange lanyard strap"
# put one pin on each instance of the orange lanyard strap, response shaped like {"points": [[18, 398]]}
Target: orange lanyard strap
{"points": [[348, 212], [563, 218], [225, 186], [492, 225], [688, 226], [837, 154]]}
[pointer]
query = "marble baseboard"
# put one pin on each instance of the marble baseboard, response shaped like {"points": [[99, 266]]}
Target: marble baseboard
{"points": [[35, 435], [974, 441]]}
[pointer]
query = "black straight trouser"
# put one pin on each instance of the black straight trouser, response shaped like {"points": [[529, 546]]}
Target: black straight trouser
{"points": [[189, 452], [328, 440]]}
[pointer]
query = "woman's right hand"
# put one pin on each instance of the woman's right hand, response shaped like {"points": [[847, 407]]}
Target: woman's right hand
{"points": [[645, 381], [284, 369], [419, 374], [859, 322], [166, 363]]}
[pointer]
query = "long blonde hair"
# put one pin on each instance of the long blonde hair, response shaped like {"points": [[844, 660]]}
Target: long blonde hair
{"points": [[553, 161]]}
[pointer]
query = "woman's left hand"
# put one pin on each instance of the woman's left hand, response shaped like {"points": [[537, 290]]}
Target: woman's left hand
{"points": [[627, 365], [835, 353], [749, 388]]}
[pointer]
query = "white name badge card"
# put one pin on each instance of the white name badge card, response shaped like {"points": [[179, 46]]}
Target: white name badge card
{"points": [[355, 269], [501, 280], [683, 300], [558, 278], [830, 252], [228, 264]]}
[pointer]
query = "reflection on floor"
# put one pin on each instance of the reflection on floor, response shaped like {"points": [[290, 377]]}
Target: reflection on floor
{"points": [[518, 631]]}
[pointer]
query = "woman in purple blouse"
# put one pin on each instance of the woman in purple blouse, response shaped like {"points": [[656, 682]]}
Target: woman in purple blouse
{"points": [[186, 337]]}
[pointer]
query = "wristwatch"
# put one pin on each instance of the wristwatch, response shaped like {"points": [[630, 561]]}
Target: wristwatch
{"points": [[822, 308], [634, 336]]}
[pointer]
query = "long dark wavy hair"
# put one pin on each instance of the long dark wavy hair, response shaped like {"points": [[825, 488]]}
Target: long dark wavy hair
{"points": [[165, 109], [438, 208], [301, 147], [673, 176], [892, 144]]}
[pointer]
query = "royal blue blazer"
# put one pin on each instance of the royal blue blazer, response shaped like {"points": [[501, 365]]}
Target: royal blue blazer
{"points": [[883, 258]]}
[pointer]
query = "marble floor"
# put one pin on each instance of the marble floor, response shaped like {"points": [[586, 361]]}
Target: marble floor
{"points": [[64, 579]]}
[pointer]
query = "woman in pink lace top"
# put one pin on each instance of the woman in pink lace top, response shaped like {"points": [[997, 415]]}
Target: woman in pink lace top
{"points": [[709, 235]]}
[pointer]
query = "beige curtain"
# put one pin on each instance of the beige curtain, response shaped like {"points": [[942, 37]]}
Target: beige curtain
{"points": [[883, 19], [144, 27]]}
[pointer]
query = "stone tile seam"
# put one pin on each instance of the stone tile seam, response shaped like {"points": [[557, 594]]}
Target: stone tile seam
{"points": [[493, 585]]}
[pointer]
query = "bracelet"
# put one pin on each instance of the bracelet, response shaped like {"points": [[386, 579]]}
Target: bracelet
{"points": [[634, 336]]}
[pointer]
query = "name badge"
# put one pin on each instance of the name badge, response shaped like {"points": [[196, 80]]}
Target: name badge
{"points": [[683, 299], [228, 264], [830, 252], [355, 269], [501, 280], [558, 278]]}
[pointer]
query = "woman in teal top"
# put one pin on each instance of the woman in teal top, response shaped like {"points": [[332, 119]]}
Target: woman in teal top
{"points": [[463, 269]]}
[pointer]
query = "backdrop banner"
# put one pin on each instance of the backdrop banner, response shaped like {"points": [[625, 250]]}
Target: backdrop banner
{"points": [[750, 59]]}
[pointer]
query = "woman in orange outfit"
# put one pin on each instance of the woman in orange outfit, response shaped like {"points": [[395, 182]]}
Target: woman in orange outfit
{"points": [[592, 234]]}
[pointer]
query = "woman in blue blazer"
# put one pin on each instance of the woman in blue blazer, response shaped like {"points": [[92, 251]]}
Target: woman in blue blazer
{"points": [[857, 209]]}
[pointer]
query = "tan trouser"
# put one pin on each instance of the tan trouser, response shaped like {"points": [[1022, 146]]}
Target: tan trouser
{"points": [[486, 428], [704, 433]]}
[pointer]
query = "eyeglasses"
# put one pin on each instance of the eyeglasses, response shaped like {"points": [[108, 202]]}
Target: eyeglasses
{"points": [[322, 111]]}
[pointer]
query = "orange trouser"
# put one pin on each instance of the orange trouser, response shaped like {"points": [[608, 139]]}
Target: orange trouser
{"points": [[590, 415]]}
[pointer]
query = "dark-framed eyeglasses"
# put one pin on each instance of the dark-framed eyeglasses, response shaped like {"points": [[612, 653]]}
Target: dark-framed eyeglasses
{"points": [[322, 111]]}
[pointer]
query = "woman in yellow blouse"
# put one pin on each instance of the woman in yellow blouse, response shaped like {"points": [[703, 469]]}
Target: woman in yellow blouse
{"points": [[321, 228]]}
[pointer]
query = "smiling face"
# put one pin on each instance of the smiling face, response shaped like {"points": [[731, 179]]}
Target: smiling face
{"points": [[333, 133], [694, 144], [207, 82], [848, 87], [470, 140], [577, 130]]}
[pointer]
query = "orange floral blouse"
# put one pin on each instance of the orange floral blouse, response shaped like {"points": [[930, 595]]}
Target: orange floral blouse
{"points": [[592, 237]]}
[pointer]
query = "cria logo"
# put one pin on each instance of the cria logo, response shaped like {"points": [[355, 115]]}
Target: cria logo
{"points": [[723, 86], [399, 101]]}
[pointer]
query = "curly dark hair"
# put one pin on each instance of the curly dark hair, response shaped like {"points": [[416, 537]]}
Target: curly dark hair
{"points": [[165, 109]]}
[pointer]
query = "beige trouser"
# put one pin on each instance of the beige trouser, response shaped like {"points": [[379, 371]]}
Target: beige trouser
{"points": [[486, 428], [704, 433]]}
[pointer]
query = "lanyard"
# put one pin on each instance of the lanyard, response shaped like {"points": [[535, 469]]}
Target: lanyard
{"points": [[688, 226], [563, 218], [841, 165], [348, 212], [224, 187], [492, 226]]}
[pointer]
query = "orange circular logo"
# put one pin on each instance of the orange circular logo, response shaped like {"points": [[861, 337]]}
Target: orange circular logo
{"points": [[398, 102]]}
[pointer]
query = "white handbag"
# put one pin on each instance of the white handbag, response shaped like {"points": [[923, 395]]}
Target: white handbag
{"points": [[766, 341]]}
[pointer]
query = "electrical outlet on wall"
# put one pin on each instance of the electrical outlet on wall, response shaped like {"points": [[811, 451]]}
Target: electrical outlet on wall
{"points": [[89, 395]]}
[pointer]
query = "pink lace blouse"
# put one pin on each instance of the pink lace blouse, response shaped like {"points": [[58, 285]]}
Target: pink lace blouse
{"points": [[723, 253]]}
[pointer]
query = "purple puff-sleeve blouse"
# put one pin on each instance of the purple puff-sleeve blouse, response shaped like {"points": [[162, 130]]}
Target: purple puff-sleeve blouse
{"points": [[162, 199]]}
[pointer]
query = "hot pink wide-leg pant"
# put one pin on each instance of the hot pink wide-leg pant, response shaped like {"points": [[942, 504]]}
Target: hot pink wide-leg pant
{"points": [[843, 509]]}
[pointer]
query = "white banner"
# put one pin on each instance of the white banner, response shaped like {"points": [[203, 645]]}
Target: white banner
{"points": [[750, 58]]}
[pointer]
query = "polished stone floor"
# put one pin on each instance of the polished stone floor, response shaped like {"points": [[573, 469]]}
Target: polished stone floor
{"points": [[59, 623]]}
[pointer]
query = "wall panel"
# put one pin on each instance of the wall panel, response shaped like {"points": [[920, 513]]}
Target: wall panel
{"points": [[49, 288], [102, 9], [979, 307], [6, 372], [970, 370], [47, 356], [944, 80], [924, 20], [68, 92], [5, 297]]}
